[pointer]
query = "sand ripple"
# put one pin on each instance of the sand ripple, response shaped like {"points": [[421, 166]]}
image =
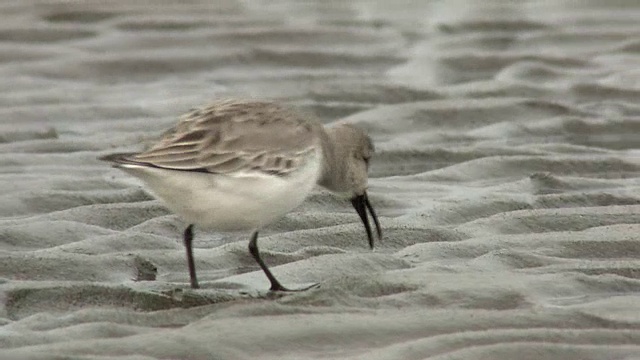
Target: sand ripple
{"points": [[507, 178]]}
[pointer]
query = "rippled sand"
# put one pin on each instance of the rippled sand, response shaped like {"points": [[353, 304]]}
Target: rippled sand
{"points": [[507, 179]]}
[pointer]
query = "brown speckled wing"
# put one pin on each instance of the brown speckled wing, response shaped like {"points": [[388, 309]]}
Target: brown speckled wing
{"points": [[235, 136]]}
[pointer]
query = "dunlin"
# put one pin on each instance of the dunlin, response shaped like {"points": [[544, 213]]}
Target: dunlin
{"points": [[238, 165]]}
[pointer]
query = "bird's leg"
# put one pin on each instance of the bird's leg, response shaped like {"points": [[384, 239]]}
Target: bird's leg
{"points": [[253, 249], [188, 238], [275, 284]]}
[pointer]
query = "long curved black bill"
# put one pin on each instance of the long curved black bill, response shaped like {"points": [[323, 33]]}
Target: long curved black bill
{"points": [[361, 204]]}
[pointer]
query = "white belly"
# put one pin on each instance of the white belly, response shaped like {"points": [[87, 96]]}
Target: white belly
{"points": [[229, 203]]}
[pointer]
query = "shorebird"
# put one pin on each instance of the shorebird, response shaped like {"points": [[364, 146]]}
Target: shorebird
{"points": [[238, 165]]}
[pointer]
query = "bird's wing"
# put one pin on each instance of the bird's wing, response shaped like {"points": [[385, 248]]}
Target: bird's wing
{"points": [[235, 137]]}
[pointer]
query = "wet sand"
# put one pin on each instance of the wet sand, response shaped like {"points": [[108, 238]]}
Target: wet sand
{"points": [[507, 181]]}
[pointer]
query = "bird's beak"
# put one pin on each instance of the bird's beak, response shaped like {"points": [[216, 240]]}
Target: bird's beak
{"points": [[361, 204]]}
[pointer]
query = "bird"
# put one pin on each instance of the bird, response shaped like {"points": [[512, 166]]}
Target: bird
{"points": [[242, 164]]}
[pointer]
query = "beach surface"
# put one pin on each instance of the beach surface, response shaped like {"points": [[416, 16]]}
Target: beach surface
{"points": [[506, 178]]}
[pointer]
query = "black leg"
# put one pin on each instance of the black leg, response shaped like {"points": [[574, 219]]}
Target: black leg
{"points": [[275, 284], [253, 249], [188, 238]]}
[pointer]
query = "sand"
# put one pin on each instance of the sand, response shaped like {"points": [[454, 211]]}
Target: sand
{"points": [[507, 180]]}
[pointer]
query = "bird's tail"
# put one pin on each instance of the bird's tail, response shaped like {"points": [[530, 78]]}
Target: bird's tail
{"points": [[119, 158]]}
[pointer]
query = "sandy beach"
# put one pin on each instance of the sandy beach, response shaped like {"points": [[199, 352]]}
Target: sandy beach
{"points": [[506, 178]]}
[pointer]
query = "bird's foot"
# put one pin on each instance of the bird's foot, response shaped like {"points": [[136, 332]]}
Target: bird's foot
{"points": [[278, 287]]}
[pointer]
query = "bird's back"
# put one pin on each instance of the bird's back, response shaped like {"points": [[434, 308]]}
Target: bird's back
{"points": [[232, 137]]}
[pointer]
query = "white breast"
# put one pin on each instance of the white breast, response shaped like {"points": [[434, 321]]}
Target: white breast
{"points": [[242, 201]]}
